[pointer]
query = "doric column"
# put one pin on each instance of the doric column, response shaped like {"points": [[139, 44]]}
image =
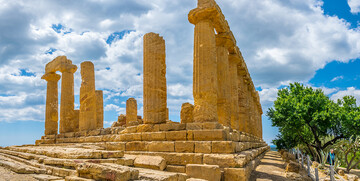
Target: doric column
{"points": [[67, 115], [87, 120], [252, 121], [242, 88], [154, 79], [99, 109], [131, 112], [205, 66], [223, 80], [51, 115], [233, 62]]}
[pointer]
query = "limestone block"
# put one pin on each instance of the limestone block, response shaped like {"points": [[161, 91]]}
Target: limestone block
{"points": [[152, 162], [223, 147], [115, 146], [94, 132], [51, 115], [176, 168], [240, 146], [148, 128], [182, 158], [105, 131], [154, 82], [184, 146], [195, 179], [87, 119], [121, 121], [207, 172], [186, 113], [203, 147], [99, 109], [153, 136], [209, 135], [190, 135], [212, 125], [194, 126], [240, 174], [224, 160], [131, 112], [130, 137], [168, 146], [69, 135], [136, 146], [104, 172], [172, 127], [175, 135], [131, 129]]}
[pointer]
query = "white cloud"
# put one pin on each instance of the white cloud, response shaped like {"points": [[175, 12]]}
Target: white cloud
{"points": [[354, 6], [349, 91], [337, 78]]}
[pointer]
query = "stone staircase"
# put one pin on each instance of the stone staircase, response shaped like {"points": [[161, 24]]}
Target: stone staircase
{"points": [[161, 152]]}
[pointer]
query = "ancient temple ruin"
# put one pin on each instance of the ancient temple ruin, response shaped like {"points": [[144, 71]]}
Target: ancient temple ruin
{"points": [[218, 138]]}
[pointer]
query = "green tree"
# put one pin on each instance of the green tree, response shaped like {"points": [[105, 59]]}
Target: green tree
{"points": [[305, 116], [349, 151]]}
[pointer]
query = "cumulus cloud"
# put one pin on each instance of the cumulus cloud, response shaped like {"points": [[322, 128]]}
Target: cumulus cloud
{"points": [[350, 91], [281, 41], [354, 6]]}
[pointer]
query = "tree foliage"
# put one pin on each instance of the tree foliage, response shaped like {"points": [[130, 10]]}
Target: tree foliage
{"points": [[305, 116], [349, 151]]}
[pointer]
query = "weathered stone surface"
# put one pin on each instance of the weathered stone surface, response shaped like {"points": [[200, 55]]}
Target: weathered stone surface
{"points": [[51, 115], [184, 146], [99, 109], [293, 167], [203, 147], [131, 112], [207, 135], [176, 168], [136, 146], [154, 79], [162, 146], [233, 61], [87, 97], [153, 136], [152, 162], [186, 113], [175, 135], [240, 174], [223, 147], [148, 128], [172, 127], [207, 172], [106, 172]]}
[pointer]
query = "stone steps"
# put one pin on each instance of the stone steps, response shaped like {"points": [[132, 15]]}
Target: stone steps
{"points": [[19, 167]]}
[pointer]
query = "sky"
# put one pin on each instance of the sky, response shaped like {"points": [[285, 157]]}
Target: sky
{"points": [[314, 42]]}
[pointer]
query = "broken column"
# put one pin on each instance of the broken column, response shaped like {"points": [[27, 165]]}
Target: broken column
{"points": [[233, 62], [131, 112], [155, 108], [67, 112], [87, 119], [51, 116], [223, 80], [99, 109], [186, 113], [205, 67]]}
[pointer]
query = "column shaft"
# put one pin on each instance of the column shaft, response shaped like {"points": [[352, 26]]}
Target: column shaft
{"points": [[155, 97], [243, 118], [233, 61], [67, 103], [51, 115], [205, 73], [131, 112], [99, 109]]}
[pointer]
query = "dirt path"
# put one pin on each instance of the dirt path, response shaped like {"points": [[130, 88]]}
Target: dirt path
{"points": [[7, 175], [271, 167]]}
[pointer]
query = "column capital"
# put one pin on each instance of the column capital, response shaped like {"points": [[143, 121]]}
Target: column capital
{"points": [[233, 58], [202, 14], [225, 39], [51, 76], [67, 68]]}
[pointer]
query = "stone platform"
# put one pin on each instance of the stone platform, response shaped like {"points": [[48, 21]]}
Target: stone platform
{"points": [[170, 151]]}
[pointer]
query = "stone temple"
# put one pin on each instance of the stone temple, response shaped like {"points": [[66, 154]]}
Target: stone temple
{"points": [[219, 137]]}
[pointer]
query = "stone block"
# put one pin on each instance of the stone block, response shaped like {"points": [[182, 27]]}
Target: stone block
{"points": [[176, 168], [158, 146], [223, 147], [94, 132], [153, 136], [212, 125], [190, 135], [175, 135], [182, 158], [207, 172], [115, 146], [239, 146], [194, 126], [131, 129], [209, 135], [186, 113], [184, 146], [240, 174], [202, 146], [136, 146], [148, 128], [152, 162], [172, 127], [106, 131], [131, 137], [224, 160]]}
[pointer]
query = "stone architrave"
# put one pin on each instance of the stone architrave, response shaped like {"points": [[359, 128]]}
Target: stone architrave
{"points": [[223, 80], [67, 112], [155, 106], [99, 109], [51, 116], [233, 62], [131, 112], [87, 120], [205, 66]]}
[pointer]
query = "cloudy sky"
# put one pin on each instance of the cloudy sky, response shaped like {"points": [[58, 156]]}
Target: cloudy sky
{"points": [[310, 41]]}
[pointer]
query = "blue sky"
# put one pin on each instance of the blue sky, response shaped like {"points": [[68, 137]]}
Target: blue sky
{"points": [[310, 41]]}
